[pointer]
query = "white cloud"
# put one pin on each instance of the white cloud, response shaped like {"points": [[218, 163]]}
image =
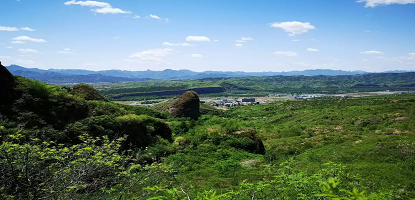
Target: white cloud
{"points": [[17, 42], [239, 45], [27, 29], [167, 20], [311, 49], [136, 17], [24, 62], [371, 52], [28, 51], [197, 38], [110, 11], [152, 54], [29, 39], [294, 28], [295, 40], [177, 44], [286, 53], [5, 28], [196, 56], [88, 3], [103, 7], [244, 39], [65, 51], [216, 40], [247, 39], [154, 16], [116, 38], [410, 56], [374, 3]]}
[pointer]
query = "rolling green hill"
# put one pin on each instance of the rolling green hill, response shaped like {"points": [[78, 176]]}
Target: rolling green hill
{"points": [[260, 86], [63, 143]]}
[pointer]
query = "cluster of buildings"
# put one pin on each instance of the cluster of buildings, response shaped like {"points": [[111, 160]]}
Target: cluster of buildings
{"points": [[234, 102]]}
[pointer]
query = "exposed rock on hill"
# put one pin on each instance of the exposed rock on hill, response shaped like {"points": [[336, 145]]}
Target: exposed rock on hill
{"points": [[256, 145], [7, 85], [7, 80], [187, 105]]}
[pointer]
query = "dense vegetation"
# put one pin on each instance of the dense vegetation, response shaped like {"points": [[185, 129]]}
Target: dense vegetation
{"points": [[260, 86], [55, 144]]}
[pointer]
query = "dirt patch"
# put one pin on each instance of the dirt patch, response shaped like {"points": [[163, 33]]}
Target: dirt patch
{"points": [[400, 119], [357, 122], [249, 163]]}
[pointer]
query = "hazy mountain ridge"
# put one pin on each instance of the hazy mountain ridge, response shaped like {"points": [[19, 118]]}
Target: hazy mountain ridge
{"points": [[59, 76]]}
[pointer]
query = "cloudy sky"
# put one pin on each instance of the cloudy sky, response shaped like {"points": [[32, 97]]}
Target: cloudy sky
{"points": [[243, 35]]}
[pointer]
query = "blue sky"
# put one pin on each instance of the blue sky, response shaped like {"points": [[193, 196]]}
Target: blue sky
{"points": [[243, 35]]}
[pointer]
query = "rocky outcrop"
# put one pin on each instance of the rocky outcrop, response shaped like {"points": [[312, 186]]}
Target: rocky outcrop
{"points": [[7, 86], [188, 105], [7, 80], [256, 146]]}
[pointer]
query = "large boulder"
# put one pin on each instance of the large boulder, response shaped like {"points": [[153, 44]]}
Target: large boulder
{"points": [[188, 105]]}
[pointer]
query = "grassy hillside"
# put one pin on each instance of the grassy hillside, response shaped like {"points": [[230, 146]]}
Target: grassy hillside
{"points": [[56, 144], [366, 143], [260, 86]]}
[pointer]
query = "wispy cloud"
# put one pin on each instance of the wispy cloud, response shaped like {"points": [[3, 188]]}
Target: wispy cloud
{"points": [[88, 3], [27, 29], [110, 11], [28, 39], [28, 51], [294, 28], [103, 7], [65, 51], [152, 54], [239, 45], [196, 56], [312, 49], [5, 28], [374, 3], [286, 53], [17, 42], [154, 16], [197, 39], [244, 39], [371, 52]]}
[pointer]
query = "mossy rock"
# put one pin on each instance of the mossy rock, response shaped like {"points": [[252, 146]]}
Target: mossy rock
{"points": [[257, 146], [188, 105]]}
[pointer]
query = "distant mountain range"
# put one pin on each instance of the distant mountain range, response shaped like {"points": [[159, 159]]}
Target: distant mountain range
{"points": [[68, 76]]}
